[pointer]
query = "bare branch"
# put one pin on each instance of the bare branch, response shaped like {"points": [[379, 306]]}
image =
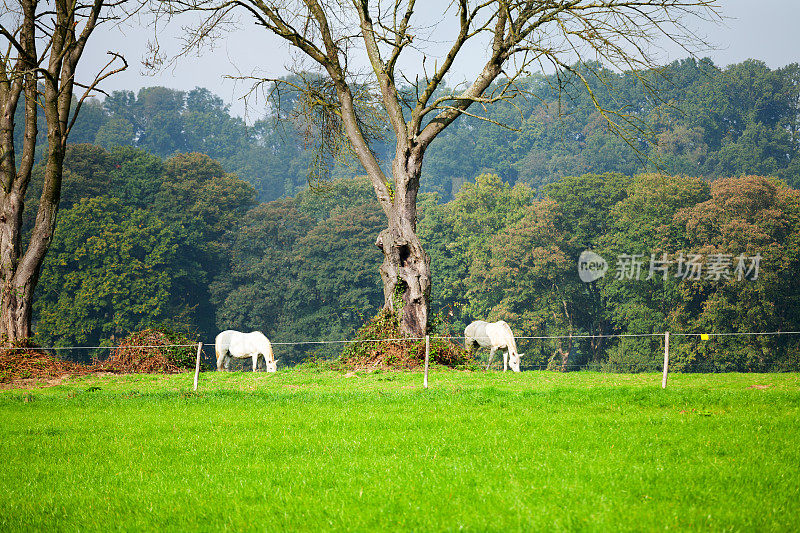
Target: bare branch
{"points": [[101, 75]]}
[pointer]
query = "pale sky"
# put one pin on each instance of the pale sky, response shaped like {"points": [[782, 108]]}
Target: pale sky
{"points": [[758, 29]]}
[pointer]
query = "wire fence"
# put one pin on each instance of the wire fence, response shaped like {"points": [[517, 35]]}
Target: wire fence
{"points": [[619, 352]]}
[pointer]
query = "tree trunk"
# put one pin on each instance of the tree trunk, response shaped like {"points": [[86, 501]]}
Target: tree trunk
{"points": [[46, 78], [20, 273], [15, 310], [560, 352], [406, 269], [560, 358]]}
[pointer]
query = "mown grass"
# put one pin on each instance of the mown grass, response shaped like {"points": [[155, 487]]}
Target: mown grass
{"points": [[304, 450]]}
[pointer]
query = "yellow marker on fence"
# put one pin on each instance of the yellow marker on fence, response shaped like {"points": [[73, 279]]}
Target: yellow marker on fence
{"points": [[704, 336]]}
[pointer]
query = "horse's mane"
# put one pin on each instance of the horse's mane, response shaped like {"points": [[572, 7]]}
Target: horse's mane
{"points": [[510, 340]]}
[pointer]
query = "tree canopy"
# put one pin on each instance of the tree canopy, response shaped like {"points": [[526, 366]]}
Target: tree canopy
{"points": [[708, 121], [180, 243]]}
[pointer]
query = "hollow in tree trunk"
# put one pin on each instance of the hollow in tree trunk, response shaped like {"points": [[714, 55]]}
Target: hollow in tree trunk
{"points": [[406, 269]]}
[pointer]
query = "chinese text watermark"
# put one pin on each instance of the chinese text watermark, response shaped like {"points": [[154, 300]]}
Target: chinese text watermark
{"points": [[715, 267]]}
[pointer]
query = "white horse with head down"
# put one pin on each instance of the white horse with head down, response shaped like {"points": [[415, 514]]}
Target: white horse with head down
{"points": [[495, 336], [240, 345]]}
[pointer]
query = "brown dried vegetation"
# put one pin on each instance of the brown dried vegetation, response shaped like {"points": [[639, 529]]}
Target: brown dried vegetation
{"points": [[396, 353], [18, 365], [149, 351]]}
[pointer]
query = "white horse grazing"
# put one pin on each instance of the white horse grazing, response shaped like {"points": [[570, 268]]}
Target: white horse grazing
{"points": [[495, 336], [240, 345]]}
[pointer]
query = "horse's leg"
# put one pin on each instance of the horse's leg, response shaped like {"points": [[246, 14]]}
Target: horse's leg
{"points": [[491, 356], [505, 360]]}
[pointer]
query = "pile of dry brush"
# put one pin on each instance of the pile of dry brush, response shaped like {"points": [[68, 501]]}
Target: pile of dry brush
{"points": [[148, 351], [368, 354], [17, 364]]}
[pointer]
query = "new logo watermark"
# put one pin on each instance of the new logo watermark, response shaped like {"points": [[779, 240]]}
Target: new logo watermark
{"points": [[591, 266], [715, 267]]}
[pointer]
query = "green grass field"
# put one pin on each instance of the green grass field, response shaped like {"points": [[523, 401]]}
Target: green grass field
{"points": [[306, 450]]}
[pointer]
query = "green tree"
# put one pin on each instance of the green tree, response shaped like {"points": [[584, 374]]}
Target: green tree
{"points": [[531, 282], [641, 225], [286, 275], [130, 174], [458, 237], [115, 132], [253, 294], [347, 111], [336, 286], [744, 218], [113, 269], [191, 194]]}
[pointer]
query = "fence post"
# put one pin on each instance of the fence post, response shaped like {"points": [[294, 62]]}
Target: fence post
{"points": [[427, 355], [666, 360], [197, 365]]}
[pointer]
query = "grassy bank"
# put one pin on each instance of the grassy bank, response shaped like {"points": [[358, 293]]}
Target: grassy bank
{"points": [[304, 450]]}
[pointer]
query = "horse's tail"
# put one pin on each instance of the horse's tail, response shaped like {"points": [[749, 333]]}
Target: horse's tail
{"points": [[221, 347]]}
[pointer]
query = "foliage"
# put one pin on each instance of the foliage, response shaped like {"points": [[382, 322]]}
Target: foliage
{"points": [[457, 236], [112, 269], [165, 122], [182, 207], [704, 121], [189, 250], [707, 121], [511, 212], [522, 269], [745, 216], [304, 268]]}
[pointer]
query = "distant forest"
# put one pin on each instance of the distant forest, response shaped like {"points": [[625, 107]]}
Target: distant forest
{"points": [[176, 214], [705, 122]]}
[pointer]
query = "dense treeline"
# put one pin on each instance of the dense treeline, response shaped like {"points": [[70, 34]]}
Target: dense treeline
{"points": [[160, 223], [191, 249], [683, 254], [704, 121], [137, 243], [180, 243]]}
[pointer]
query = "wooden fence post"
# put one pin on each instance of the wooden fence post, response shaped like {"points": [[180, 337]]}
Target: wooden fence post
{"points": [[197, 365], [666, 360], [427, 355]]}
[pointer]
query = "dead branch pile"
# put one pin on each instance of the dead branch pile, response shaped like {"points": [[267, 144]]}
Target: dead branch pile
{"points": [[148, 352], [367, 354], [17, 365]]}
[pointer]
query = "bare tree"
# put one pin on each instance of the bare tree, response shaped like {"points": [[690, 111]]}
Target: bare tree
{"points": [[340, 37], [42, 45]]}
